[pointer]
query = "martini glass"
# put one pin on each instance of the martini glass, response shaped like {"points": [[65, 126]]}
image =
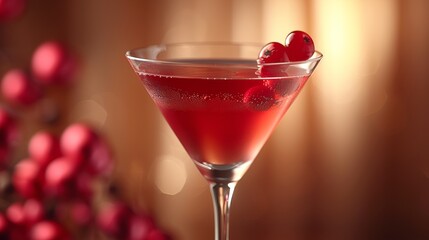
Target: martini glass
{"points": [[221, 105]]}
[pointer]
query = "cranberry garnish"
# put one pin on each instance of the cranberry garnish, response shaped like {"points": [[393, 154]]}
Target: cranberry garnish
{"points": [[299, 46], [283, 87], [260, 98], [273, 52]]}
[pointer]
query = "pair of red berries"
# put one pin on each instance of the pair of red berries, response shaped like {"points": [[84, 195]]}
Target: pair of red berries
{"points": [[51, 64], [298, 47]]}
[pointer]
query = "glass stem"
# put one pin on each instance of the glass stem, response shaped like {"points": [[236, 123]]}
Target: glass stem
{"points": [[222, 195]]}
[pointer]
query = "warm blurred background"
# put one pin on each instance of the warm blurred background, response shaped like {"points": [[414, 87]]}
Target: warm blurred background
{"points": [[350, 160]]}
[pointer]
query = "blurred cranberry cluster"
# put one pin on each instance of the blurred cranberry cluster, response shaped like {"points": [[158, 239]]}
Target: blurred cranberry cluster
{"points": [[51, 194], [60, 189]]}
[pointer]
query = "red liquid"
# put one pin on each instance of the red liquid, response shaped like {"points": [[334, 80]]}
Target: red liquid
{"points": [[225, 121]]}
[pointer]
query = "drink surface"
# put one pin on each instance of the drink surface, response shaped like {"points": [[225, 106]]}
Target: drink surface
{"points": [[222, 120]]}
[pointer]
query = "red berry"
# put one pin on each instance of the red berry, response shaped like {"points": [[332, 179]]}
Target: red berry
{"points": [[17, 87], [157, 234], [80, 212], [59, 176], [83, 144], [77, 141], [27, 213], [44, 147], [76, 211], [33, 210], [283, 87], [10, 9], [273, 52], [52, 63], [26, 178], [47, 230], [260, 98], [100, 160], [139, 227], [15, 214], [299, 46], [113, 219]]}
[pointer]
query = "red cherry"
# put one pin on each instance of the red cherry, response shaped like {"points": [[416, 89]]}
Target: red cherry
{"points": [[47, 230], [10, 9], [26, 178], [44, 147], [299, 46], [59, 176], [52, 63], [17, 87], [260, 98]]}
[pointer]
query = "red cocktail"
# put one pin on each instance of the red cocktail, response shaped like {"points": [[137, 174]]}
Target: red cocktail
{"points": [[222, 104]]}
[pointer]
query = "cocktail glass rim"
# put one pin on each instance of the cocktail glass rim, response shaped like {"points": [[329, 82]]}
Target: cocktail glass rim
{"points": [[132, 55]]}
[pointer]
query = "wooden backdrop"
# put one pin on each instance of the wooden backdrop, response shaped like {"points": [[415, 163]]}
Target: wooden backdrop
{"points": [[350, 160]]}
